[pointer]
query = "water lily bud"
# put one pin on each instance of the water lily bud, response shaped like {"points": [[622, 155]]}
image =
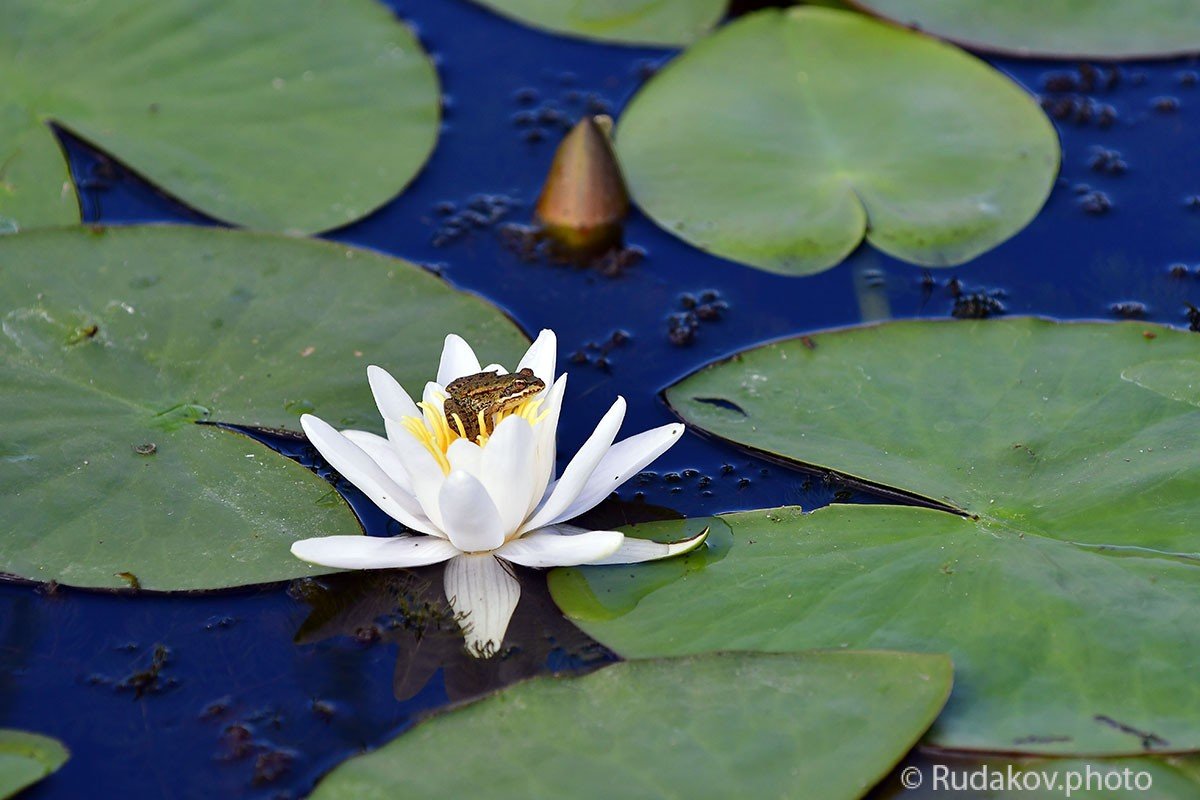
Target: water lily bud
{"points": [[584, 200]]}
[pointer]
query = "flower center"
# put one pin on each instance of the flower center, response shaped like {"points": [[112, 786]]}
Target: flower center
{"points": [[436, 432]]}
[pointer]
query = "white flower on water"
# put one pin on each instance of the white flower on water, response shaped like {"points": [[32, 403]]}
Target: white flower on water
{"points": [[478, 503]]}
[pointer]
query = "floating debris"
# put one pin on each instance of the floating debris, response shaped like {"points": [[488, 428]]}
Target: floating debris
{"points": [[977, 305], [1129, 309], [707, 307], [597, 354]]}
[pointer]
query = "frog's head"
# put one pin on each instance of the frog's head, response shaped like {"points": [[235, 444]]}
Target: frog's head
{"points": [[518, 388]]}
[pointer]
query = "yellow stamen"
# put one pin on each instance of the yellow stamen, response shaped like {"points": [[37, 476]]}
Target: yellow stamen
{"points": [[436, 432]]}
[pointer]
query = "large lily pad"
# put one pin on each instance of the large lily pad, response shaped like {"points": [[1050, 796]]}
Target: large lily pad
{"points": [[825, 725], [26, 758], [297, 115], [121, 339], [666, 23], [1066, 592], [1054, 28], [783, 138]]}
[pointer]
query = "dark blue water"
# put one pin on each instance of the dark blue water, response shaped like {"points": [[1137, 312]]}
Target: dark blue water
{"points": [[259, 692]]}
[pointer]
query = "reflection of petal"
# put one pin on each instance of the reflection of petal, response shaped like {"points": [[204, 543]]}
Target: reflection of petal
{"points": [[418, 660], [391, 399], [469, 515], [546, 548], [507, 471], [540, 356], [362, 471], [633, 551], [373, 552], [484, 596], [568, 487], [458, 359]]}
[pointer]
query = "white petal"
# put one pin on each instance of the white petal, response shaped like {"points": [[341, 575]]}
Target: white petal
{"points": [[507, 470], [391, 399], [382, 453], [496, 368], [568, 487], [546, 548], [546, 441], [373, 552], [635, 551], [424, 473], [622, 461], [484, 596], [434, 394], [466, 456], [540, 356], [362, 471], [469, 515], [458, 359]]}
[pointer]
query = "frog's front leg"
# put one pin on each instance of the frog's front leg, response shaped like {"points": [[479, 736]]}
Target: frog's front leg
{"points": [[457, 413]]}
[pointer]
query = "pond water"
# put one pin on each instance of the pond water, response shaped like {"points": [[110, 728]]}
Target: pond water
{"points": [[231, 705]]}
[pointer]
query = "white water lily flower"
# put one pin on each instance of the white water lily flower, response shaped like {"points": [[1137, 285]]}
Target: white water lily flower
{"points": [[483, 501]]}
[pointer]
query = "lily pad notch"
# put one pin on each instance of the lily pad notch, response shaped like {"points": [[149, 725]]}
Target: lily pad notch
{"points": [[119, 339], [1071, 446], [786, 137], [335, 110]]}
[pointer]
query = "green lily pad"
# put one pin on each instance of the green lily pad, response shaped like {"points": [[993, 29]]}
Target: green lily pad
{"points": [[785, 137], [825, 725], [1054, 28], [291, 115], [116, 342], [26, 758], [1066, 590], [666, 23]]}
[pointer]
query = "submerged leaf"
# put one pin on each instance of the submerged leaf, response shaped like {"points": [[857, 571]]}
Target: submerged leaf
{"points": [[290, 115], [785, 137], [691, 727], [194, 326]]}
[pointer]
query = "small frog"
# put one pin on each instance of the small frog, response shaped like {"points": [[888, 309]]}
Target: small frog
{"points": [[489, 393]]}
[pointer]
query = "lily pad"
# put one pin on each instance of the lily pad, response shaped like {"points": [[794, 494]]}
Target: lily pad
{"points": [[26, 758], [1065, 590], [1054, 28], [785, 137], [335, 106], [665, 23], [691, 727], [117, 342]]}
